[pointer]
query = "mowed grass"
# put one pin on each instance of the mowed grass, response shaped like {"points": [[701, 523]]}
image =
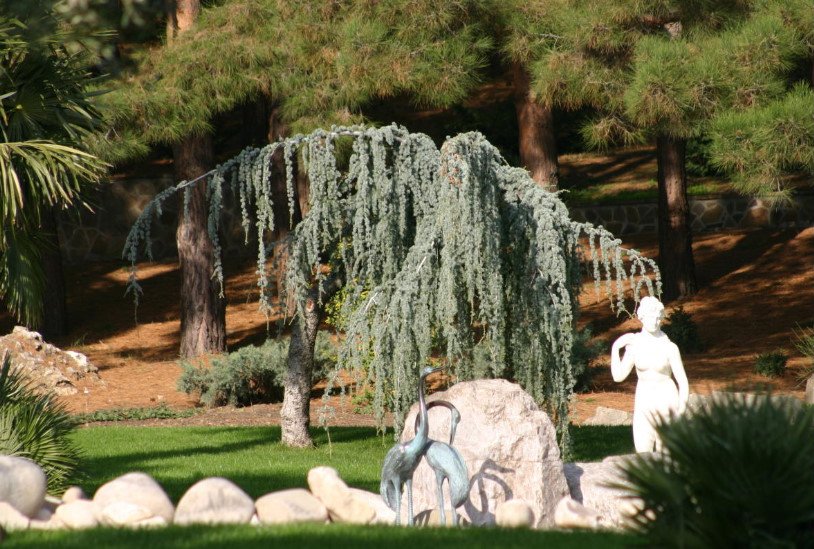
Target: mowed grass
{"points": [[254, 458]]}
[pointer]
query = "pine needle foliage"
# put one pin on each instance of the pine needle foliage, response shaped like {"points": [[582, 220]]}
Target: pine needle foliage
{"points": [[441, 250], [735, 473]]}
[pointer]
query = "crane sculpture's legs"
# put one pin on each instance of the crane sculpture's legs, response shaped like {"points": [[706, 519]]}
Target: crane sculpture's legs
{"points": [[439, 481], [410, 518]]}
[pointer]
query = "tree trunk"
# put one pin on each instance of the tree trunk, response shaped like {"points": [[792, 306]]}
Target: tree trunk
{"points": [[295, 413], [181, 15], [54, 306], [203, 312], [675, 235], [538, 145]]}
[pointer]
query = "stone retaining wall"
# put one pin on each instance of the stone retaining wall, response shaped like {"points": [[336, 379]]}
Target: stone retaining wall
{"points": [[101, 234]]}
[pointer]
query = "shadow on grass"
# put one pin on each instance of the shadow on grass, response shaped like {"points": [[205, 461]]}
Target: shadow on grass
{"points": [[252, 457], [318, 537]]}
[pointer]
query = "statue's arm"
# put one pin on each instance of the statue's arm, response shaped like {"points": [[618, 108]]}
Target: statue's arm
{"points": [[681, 377], [621, 366]]}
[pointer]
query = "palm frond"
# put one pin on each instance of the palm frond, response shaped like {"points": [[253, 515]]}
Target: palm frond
{"points": [[22, 281]]}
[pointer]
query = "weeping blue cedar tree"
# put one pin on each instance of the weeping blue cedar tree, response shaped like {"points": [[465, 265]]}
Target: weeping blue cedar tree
{"points": [[440, 251]]}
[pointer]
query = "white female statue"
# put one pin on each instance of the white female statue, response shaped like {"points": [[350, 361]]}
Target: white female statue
{"points": [[657, 361]]}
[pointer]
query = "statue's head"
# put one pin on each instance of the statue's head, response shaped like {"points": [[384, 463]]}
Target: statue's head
{"points": [[650, 313]]}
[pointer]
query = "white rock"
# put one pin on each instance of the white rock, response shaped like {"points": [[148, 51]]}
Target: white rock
{"points": [[591, 485], [22, 484], [342, 504], [80, 359], [514, 513], [509, 446], [151, 522], [610, 416], [384, 514], [255, 520], [11, 519], [78, 514], [123, 513], [572, 514], [214, 500], [73, 493], [138, 489], [52, 523], [810, 390], [290, 506]]}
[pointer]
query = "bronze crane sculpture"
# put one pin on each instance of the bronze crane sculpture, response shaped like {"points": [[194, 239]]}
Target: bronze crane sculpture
{"points": [[447, 463], [401, 461]]}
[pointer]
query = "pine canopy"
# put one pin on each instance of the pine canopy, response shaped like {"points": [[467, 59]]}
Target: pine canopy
{"points": [[446, 254]]}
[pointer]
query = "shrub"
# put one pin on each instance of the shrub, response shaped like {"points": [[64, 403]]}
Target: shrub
{"points": [[251, 374], [804, 341], [771, 364], [683, 331], [739, 474], [34, 426]]}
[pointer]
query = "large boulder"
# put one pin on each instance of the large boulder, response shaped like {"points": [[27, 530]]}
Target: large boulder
{"points": [[214, 500], [22, 484], [140, 491], [509, 446], [593, 485]]}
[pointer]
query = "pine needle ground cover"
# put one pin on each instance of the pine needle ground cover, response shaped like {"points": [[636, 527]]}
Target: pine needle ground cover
{"points": [[254, 458]]}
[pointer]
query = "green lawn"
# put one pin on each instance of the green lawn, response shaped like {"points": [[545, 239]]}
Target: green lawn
{"points": [[254, 459]]}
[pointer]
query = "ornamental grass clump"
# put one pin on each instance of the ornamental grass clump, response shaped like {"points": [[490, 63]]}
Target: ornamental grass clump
{"points": [[736, 473], [772, 363], [35, 426]]}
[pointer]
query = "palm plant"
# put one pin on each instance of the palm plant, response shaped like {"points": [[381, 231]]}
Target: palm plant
{"points": [[45, 113], [736, 473], [34, 426]]}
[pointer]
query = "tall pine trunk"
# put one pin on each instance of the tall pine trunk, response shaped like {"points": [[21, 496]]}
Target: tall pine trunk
{"points": [[538, 144], [54, 305], [675, 235], [203, 312]]}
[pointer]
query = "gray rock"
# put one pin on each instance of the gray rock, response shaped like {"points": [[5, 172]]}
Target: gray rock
{"points": [[290, 506], [138, 489], [509, 446], [342, 504], [214, 501], [22, 484], [591, 485], [609, 416], [78, 514], [810, 390]]}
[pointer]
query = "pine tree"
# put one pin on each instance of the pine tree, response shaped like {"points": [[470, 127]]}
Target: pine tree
{"points": [[445, 254]]}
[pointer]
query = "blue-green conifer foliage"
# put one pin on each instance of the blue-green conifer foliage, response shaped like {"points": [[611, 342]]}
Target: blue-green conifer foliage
{"points": [[440, 249]]}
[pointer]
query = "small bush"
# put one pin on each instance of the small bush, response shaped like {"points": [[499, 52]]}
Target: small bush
{"points": [[162, 411], [35, 426], [804, 341], [251, 374], [771, 364], [739, 474], [683, 331]]}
